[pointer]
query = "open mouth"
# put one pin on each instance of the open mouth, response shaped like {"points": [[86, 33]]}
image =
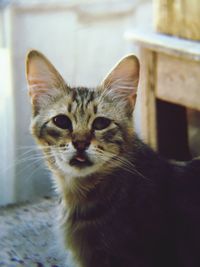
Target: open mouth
{"points": [[80, 160]]}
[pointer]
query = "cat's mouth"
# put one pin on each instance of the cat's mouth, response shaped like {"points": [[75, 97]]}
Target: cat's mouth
{"points": [[80, 160]]}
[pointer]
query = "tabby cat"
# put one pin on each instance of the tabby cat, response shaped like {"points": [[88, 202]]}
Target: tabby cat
{"points": [[122, 204]]}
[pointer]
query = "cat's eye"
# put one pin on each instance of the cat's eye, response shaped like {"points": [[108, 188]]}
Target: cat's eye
{"points": [[63, 122], [100, 123]]}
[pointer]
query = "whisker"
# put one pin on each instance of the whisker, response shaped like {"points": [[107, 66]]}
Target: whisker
{"points": [[27, 157], [124, 163]]}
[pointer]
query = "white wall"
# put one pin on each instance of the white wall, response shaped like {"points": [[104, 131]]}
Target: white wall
{"points": [[83, 41], [6, 132]]}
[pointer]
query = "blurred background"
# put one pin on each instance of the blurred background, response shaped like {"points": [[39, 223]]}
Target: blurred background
{"points": [[84, 39]]}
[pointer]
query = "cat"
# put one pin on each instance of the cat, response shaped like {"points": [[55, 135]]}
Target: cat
{"points": [[122, 204]]}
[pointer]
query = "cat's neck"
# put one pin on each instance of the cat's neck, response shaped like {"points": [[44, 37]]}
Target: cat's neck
{"points": [[77, 191]]}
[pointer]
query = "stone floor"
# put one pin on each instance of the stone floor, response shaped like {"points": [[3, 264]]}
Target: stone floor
{"points": [[27, 237]]}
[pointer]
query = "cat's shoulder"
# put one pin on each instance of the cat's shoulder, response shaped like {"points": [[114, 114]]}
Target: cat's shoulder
{"points": [[188, 167], [192, 168]]}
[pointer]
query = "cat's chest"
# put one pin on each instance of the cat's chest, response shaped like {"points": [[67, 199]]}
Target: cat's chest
{"points": [[107, 246], [84, 239], [80, 234]]}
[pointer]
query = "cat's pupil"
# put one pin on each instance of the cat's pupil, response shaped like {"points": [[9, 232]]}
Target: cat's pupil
{"points": [[101, 123], [63, 122]]}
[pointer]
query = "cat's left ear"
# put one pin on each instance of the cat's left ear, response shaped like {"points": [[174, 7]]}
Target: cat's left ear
{"points": [[44, 81], [122, 81]]}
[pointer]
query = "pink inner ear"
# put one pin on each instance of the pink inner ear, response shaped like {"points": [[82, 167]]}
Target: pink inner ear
{"points": [[44, 81], [37, 87], [36, 92], [40, 89], [122, 81]]}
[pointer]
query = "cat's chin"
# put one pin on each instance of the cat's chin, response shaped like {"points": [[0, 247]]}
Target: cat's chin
{"points": [[78, 169]]}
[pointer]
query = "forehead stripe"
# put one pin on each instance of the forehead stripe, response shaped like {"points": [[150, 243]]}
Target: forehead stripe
{"points": [[69, 108]]}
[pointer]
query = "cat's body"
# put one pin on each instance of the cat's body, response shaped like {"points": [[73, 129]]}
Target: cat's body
{"points": [[147, 219], [122, 204]]}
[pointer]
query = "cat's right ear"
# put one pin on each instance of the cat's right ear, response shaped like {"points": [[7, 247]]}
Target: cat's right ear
{"points": [[122, 81], [44, 81]]}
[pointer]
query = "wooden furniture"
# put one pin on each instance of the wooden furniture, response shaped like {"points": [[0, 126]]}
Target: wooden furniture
{"points": [[169, 83], [177, 17]]}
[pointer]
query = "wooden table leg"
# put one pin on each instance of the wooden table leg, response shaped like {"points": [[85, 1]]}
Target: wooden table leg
{"points": [[148, 99]]}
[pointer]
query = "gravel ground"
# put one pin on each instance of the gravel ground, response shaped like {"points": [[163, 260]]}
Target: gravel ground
{"points": [[27, 237]]}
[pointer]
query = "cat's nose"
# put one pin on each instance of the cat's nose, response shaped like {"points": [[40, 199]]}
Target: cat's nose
{"points": [[81, 145]]}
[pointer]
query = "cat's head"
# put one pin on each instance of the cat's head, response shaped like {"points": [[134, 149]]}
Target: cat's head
{"points": [[82, 130]]}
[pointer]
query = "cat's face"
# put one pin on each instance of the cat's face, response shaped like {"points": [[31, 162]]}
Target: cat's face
{"points": [[81, 130]]}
